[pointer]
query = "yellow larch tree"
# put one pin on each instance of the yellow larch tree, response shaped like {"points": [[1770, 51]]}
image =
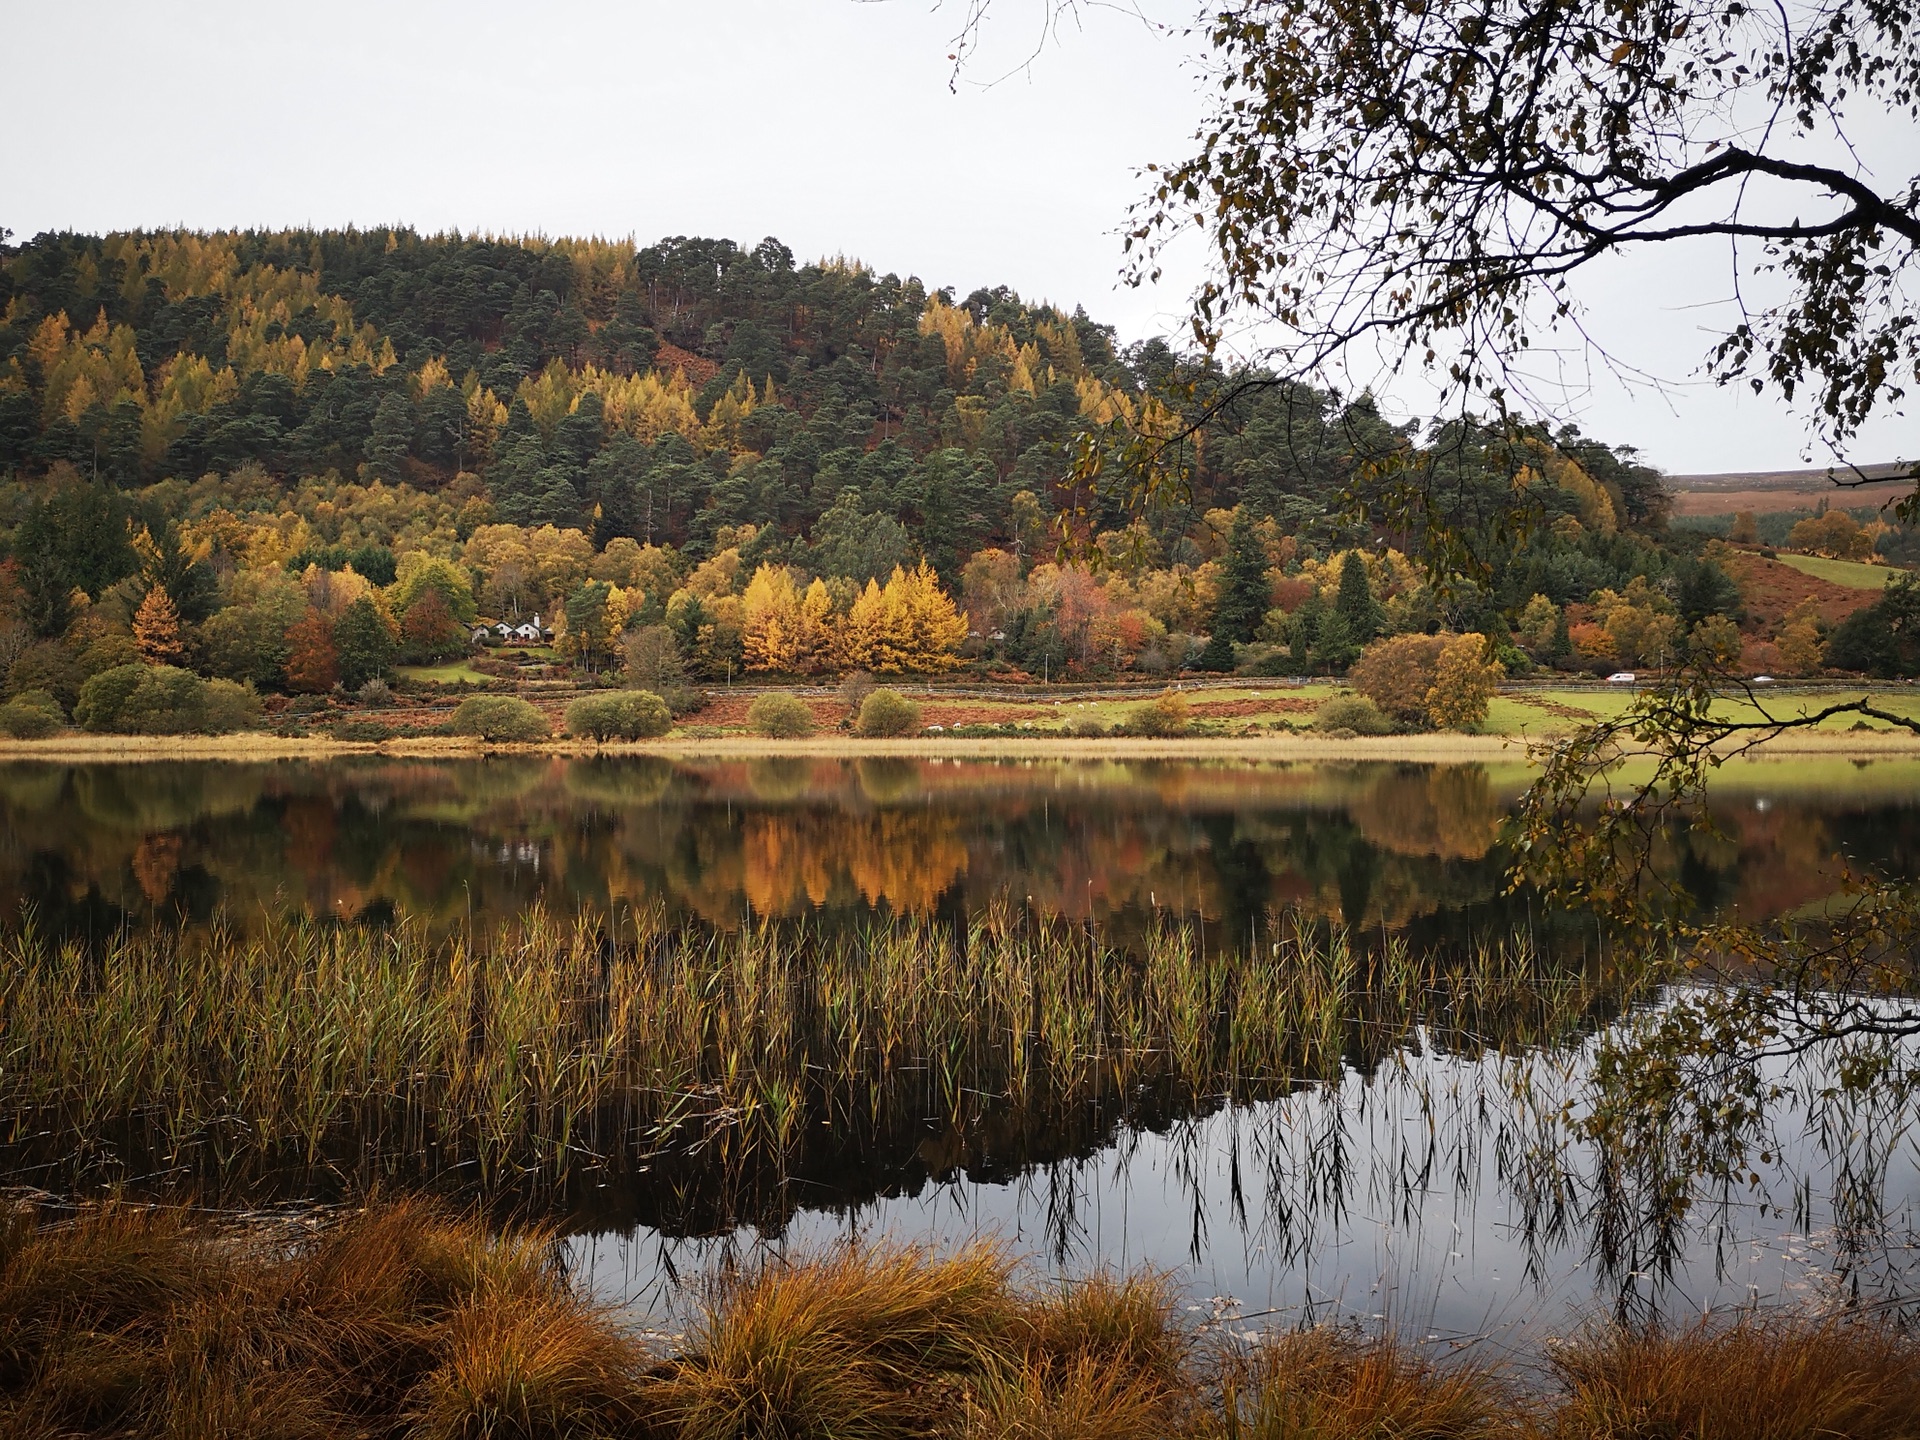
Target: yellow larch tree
{"points": [[935, 628], [770, 639], [156, 628]]}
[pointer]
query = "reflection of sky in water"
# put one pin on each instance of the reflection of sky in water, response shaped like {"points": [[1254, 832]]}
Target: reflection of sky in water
{"points": [[1281, 1214]]}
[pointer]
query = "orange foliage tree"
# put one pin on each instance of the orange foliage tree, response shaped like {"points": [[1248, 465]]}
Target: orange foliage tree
{"points": [[313, 660]]}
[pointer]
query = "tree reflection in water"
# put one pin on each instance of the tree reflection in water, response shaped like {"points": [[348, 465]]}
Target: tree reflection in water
{"points": [[1323, 1175], [447, 843]]}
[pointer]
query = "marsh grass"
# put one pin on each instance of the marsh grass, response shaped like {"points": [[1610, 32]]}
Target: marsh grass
{"points": [[405, 1320], [547, 1051]]}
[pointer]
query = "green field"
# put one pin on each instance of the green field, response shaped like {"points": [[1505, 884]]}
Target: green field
{"points": [[451, 674], [1850, 573]]}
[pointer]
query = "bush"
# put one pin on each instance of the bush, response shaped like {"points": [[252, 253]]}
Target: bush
{"points": [[1159, 718], [503, 718], [163, 700], [1466, 680], [374, 692], [886, 712], [619, 715], [1396, 674], [1354, 713], [227, 707], [1085, 727], [31, 715], [779, 716]]}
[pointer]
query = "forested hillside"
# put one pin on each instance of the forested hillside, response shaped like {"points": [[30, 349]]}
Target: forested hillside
{"points": [[270, 427]]}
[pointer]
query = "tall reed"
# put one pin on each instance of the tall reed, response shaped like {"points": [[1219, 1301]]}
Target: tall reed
{"points": [[543, 1050]]}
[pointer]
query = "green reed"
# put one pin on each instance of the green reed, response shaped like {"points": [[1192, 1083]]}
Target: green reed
{"points": [[543, 1050]]}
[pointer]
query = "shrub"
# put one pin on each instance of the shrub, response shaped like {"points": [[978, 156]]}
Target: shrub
{"points": [[1085, 727], [1466, 678], [31, 715], [352, 728], [1355, 713], [779, 716], [1396, 674], [374, 692], [886, 712], [163, 700], [619, 715], [227, 707], [503, 718], [48, 665], [1161, 717]]}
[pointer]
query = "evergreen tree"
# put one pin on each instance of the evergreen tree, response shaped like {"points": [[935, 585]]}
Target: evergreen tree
{"points": [[1560, 648], [1303, 629], [1359, 612], [392, 438], [363, 639], [1244, 592]]}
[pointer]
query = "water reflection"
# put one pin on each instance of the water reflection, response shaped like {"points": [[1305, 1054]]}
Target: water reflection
{"points": [[94, 847]]}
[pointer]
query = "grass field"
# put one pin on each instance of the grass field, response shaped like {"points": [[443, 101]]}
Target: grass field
{"points": [[452, 674], [1850, 573]]}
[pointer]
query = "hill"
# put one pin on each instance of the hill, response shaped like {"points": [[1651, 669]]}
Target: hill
{"points": [[271, 425]]}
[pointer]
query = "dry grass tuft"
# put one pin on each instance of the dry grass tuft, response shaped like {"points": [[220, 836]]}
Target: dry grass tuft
{"points": [[538, 1367], [401, 1320], [1331, 1384], [864, 1343], [407, 1322], [1778, 1378]]}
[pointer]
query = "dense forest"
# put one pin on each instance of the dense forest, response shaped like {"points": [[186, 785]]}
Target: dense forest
{"points": [[388, 437]]}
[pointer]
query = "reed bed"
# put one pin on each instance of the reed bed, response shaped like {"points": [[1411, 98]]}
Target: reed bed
{"points": [[545, 1051], [404, 1320]]}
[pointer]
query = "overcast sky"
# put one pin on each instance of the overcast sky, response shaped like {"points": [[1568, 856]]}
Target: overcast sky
{"points": [[827, 123]]}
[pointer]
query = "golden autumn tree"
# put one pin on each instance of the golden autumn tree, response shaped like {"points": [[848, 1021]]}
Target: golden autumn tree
{"points": [[863, 633], [770, 639], [156, 629], [814, 643], [935, 628], [910, 625]]}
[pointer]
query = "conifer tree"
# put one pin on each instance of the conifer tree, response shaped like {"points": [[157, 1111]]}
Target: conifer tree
{"points": [[156, 629], [1244, 593], [1359, 612]]}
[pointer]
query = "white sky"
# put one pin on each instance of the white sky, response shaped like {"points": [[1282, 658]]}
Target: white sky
{"points": [[827, 123]]}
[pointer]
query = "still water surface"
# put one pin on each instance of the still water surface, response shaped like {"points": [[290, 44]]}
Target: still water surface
{"points": [[1406, 1191]]}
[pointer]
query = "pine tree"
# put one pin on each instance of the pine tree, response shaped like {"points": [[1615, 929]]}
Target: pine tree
{"points": [[1303, 629], [1244, 593], [1560, 647], [1359, 612], [156, 629]]}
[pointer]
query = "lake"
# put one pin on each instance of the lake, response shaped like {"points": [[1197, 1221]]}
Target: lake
{"points": [[1416, 1186]]}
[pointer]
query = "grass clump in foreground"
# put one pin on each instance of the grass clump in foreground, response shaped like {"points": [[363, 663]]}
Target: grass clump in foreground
{"points": [[403, 1321]]}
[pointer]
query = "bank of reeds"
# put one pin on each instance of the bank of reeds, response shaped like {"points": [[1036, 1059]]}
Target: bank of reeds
{"points": [[545, 1049], [404, 1321]]}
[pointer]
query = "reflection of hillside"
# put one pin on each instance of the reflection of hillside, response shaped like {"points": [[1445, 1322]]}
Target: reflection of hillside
{"points": [[95, 846]]}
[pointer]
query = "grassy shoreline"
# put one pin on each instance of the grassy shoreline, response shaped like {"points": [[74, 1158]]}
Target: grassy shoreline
{"points": [[1435, 749], [404, 1320]]}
